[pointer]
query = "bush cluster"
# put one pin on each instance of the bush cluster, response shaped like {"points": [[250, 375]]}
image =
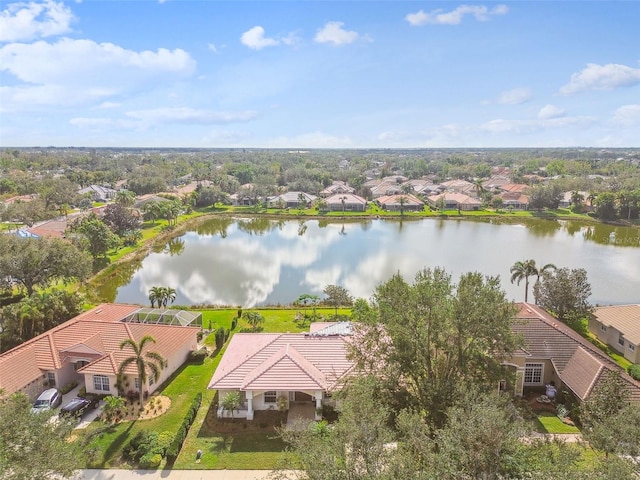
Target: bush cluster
{"points": [[68, 387], [634, 371], [198, 356], [174, 449], [221, 337], [148, 448]]}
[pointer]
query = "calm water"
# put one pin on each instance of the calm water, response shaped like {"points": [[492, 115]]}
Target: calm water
{"points": [[259, 261]]}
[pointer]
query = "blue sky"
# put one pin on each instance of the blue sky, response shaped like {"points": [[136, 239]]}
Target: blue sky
{"points": [[306, 74]]}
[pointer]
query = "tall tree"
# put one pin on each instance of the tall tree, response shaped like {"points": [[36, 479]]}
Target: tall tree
{"points": [[434, 334], [565, 293], [337, 296], [156, 295], [253, 318], [99, 236], [38, 262], [33, 447], [120, 219], [148, 363]]}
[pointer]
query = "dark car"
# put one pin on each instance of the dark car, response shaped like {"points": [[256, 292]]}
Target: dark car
{"points": [[77, 407]]}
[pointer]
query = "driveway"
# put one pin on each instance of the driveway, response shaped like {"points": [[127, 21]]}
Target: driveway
{"points": [[88, 417]]}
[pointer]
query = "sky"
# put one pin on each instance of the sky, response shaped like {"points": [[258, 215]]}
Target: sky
{"points": [[311, 74]]}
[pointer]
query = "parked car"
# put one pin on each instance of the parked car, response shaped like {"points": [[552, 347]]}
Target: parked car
{"points": [[77, 407], [50, 398]]}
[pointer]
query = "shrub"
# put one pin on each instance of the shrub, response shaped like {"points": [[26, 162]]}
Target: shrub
{"points": [[150, 461], [198, 356], [82, 393], [145, 442], [199, 335], [634, 370], [234, 323], [68, 387], [174, 449], [219, 338]]}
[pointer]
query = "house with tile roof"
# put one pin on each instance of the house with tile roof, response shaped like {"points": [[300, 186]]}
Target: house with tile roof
{"points": [[270, 370], [348, 202], [403, 201], [86, 350], [619, 327], [554, 351], [337, 187], [454, 201], [291, 200]]}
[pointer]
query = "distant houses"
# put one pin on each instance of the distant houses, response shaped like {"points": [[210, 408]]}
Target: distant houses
{"points": [[345, 202]]}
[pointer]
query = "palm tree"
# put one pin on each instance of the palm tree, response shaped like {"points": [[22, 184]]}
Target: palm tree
{"points": [[523, 270], [168, 294], [147, 363], [402, 201], [343, 199], [156, 295], [126, 198]]}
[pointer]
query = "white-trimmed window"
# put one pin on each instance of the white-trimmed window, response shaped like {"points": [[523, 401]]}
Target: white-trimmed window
{"points": [[51, 379], [270, 396], [533, 373], [632, 347], [243, 398], [621, 341], [101, 382], [603, 328]]}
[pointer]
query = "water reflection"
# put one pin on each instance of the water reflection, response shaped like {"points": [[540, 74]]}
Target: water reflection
{"points": [[250, 262]]}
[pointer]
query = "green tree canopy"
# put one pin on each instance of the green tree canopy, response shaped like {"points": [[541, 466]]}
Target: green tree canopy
{"points": [[425, 338], [565, 293], [99, 236], [337, 296], [31, 446], [36, 314], [38, 262]]}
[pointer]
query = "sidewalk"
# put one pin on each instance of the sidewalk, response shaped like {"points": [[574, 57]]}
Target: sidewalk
{"points": [[174, 475]]}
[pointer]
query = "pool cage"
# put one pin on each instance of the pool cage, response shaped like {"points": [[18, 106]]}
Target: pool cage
{"points": [[161, 316]]}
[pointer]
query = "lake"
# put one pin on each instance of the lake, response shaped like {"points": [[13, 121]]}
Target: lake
{"points": [[254, 262]]}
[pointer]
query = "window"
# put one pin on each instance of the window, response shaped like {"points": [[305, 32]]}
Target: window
{"points": [[136, 383], [632, 347], [80, 364], [243, 398], [533, 373], [101, 382], [621, 340], [151, 382], [270, 396], [603, 328], [51, 379]]}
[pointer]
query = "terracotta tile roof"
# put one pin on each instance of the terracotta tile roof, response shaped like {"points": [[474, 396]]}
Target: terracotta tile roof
{"points": [[287, 369], [395, 199], [624, 318], [457, 197], [96, 333], [582, 372], [349, 198], [547, 338], [286, 361]]}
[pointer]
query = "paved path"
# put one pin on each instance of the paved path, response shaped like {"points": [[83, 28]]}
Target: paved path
{"points": [[175, 475]]}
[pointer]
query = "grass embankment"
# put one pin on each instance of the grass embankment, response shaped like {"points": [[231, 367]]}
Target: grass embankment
{"points": [[251, 450]]}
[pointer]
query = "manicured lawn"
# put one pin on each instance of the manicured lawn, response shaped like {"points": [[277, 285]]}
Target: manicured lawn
{"points": [[547, 422]]}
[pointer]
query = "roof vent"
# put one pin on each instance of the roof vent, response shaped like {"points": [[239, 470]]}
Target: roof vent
{"points": [[98, 311]]}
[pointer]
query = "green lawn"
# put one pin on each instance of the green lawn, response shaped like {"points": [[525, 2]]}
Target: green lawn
{"points": [[547, 422]]}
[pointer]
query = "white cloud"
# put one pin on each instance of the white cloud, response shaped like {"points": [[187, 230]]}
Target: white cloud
{"points": [[28, 21], [189, 116], [254, 38], [212, 47], [602, 77], [627, 115], [528, 126], [516, 96], [454, 17], [70, 72], [109, 105], [550, 111], [333, 33]]}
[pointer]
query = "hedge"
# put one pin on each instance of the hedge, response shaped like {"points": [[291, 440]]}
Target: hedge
{"points": [[181, 434], [634, 370]]}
